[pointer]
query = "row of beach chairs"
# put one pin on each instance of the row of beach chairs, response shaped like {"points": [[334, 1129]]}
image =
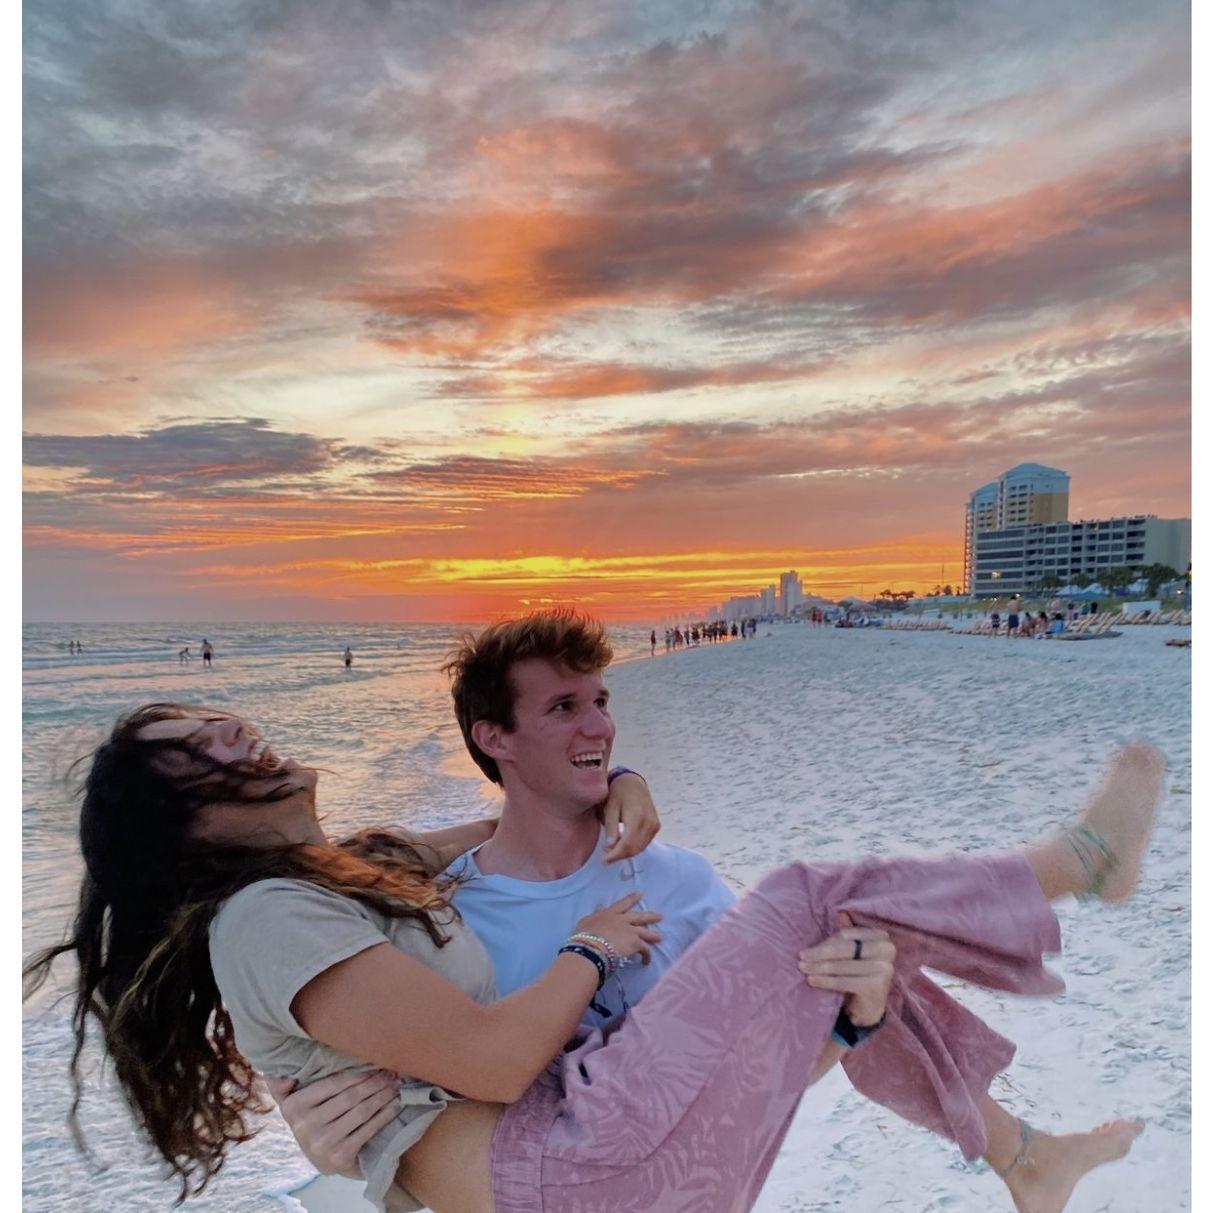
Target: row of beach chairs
{"points": [[1173, 617], [1092, 626], [1099, 624], [1088, 625]]}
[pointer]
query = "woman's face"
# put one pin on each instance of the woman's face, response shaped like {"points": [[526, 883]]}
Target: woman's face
{"points": [[232, 742]]}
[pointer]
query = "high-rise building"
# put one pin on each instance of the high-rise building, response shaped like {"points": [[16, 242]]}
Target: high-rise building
{"points": [[1025, 494], [1031, 492], [791, 592], [767, 602], [981, 515]]}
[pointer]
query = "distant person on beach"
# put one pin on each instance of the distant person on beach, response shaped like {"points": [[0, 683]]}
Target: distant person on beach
{"points": [[184, 656], [653, 643], [697, 1087], [994, 622], [208, 651], [348, 657], [1013, 616]]}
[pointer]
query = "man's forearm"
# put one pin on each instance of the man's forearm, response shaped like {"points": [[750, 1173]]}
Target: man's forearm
{"points": [[451, 842]]}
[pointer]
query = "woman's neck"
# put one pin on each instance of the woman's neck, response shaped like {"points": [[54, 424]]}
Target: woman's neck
{"points": [[277, 823]]}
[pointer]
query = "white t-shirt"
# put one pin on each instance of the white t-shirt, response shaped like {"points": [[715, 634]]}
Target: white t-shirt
{"points": [[522, 923]]}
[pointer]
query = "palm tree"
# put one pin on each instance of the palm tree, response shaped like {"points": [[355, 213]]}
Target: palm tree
{"points": [[1156, 574], [1118, 579]]}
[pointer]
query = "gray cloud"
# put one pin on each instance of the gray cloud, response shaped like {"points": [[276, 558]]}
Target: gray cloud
{"points": [[185, 457], [750, 167]]}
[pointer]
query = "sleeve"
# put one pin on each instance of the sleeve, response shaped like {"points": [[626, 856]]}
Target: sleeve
{"points": [[270, 939]]}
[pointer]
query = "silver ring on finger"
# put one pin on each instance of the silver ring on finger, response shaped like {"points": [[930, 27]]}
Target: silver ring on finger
{"points": [[858, 950]]}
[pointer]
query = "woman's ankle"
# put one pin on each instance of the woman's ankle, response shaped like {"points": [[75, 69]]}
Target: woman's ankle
{"points": [[1057, 869]]}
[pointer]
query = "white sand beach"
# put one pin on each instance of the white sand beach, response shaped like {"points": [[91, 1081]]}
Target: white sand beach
{"points": [[831, 743]]}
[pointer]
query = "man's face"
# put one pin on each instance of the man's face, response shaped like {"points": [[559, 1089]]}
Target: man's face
{"points": [[560, 748]]}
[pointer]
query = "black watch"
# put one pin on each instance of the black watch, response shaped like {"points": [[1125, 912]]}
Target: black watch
{"points": [[851, 1033]]}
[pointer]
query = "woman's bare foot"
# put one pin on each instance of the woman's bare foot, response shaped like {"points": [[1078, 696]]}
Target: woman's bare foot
{"points": [[1044, 1180], [1121, 814]]}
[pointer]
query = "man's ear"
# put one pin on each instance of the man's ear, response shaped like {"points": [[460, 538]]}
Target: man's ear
{"points": [[491, 738]]}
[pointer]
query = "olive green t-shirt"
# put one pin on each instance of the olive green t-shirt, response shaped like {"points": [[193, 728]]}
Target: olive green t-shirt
{"points": [[271, 938]]}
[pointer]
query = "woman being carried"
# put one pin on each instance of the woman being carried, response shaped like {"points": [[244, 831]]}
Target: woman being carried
{"points": [[219, 930]]}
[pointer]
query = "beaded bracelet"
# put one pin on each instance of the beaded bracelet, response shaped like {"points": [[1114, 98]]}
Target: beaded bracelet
{"points": [[614, 960]]}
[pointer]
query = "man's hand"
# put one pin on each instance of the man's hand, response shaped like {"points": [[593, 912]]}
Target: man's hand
{"points": [[629, 803], [831, 965], [332, 1119]]}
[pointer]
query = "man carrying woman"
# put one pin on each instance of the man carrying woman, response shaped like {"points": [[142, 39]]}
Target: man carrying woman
{"points": [[220, 929]]}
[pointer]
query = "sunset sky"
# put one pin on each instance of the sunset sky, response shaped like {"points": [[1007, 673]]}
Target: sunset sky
{"points": [[435, 310]]}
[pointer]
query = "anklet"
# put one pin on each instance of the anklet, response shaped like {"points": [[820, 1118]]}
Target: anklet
{"points": [[1096, 857], [1025, 1135]]}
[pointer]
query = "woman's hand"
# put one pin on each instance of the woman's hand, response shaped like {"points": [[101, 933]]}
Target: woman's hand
{"points": [[831, 965], [628, 803], [628, 930], [334, 1118]]}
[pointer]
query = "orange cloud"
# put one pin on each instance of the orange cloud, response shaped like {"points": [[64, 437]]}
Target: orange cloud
{"points": [[161, 305], [483, 280]]}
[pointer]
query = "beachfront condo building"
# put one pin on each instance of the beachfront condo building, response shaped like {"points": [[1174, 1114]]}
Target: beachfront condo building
{"points": [[1018, 535], [791, 592], [742, 607], [1017, 560], [1026, 494], [768, 602]]}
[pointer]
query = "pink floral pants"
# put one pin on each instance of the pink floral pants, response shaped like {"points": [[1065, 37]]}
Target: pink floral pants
{"points": [[683, 1108]]}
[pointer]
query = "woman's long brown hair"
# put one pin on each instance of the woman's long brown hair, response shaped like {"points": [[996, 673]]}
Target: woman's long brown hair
{"points": [[141, 932]]}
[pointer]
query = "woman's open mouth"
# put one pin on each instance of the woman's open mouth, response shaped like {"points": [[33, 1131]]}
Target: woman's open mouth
{"points": [[263, 758]]}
